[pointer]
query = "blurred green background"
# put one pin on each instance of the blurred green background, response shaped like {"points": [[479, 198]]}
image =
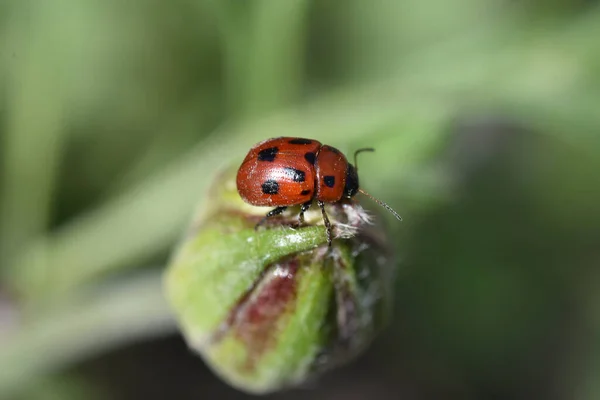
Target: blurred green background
{"points": [[115, 116]]}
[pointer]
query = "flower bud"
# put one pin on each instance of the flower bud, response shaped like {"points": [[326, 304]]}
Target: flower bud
{"points": [[273, 307]]}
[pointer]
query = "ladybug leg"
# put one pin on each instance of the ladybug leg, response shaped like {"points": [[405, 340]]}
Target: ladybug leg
{"points": [[326, 220], [275, 211], [303, 208]]}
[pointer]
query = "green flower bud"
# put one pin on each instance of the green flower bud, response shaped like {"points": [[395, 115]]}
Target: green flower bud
{"points": [[269, 309]]}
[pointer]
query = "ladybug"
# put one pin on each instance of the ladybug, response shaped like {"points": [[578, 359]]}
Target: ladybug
{"points": [[290, 171]]}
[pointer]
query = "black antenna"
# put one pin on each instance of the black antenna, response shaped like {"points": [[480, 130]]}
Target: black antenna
{"points": [[360, 151], [382, 204]]}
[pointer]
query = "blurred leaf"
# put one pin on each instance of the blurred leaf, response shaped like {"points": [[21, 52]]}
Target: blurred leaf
{"points": [[63, 387], [35, 130], [88, 324], [263, 70]]}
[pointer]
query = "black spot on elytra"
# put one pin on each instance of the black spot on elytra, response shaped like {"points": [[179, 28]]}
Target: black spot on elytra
{"points": [[268, 154], [295, 174], [300, 141], [270, 187], [310, 157], [305, 192], [329, 180]]}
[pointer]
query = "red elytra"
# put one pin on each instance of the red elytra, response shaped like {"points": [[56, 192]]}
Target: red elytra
{"points": [[289, 171]]}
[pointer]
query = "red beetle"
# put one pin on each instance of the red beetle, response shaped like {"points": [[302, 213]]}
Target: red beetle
{"points": [[289, 171]]}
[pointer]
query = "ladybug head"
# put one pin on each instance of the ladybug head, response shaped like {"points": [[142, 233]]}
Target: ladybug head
{"points": [[352, 186], [351, 181]]}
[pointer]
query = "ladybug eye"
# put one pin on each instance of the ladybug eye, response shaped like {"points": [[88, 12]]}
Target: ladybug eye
{"points": [[351, 186]]}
